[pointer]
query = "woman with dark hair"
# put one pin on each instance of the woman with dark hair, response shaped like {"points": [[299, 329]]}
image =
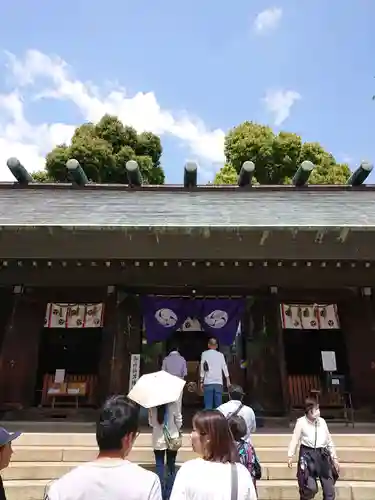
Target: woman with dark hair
{"points": [[246, 452], [166, 422], [217, 473], [317, 455]]}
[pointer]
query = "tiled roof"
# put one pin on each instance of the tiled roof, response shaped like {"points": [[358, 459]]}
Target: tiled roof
{"points": [[307, 207]]}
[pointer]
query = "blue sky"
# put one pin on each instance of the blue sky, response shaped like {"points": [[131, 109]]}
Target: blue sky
{"points": [[188, 71]]}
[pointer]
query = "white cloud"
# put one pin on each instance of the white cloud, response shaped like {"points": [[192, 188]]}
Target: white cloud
{"points": [[267, 20], [279, 103], [51, 78]]}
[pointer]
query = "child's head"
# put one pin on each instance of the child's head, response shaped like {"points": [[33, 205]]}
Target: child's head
{"points": [[237, 426]]}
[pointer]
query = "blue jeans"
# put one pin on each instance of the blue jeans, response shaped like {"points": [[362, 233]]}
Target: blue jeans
{"points": [[166, 483], [213, 396]]}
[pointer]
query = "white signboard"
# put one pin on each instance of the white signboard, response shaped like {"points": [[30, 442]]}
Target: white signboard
{"points": [[135, 366], [329, 361], [59, 376]]}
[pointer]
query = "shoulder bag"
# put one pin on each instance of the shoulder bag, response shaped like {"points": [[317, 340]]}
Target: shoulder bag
{"points": [[173, 444], [234, 482]]}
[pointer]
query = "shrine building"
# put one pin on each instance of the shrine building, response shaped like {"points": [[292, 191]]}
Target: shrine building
{"points": [[98, 281]]}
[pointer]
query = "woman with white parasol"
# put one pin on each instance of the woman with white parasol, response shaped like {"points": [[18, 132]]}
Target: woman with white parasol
{"points": [[160, 392]]}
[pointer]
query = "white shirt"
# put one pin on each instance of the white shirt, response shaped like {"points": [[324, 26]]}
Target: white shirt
{"points": [[217, 366], [245, 412], [173, 423], [200, 479], [311, 434], [106, 479]]}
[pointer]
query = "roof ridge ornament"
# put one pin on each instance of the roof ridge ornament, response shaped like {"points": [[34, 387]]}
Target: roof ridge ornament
{"points": [[19, 172], [190, 174], [303, 173], [359, 176], [76, 174]]}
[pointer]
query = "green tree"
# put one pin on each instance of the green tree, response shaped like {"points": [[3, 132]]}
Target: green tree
{"points": [[276, 157], [41, 176], [103, 149]]}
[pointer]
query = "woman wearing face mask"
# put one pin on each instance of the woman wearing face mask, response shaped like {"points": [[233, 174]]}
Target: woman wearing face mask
{"points": [[317, 455], [216, 474]]}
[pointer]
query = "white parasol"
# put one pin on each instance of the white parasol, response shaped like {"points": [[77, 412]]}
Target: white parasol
{"points": [[155, 389]]}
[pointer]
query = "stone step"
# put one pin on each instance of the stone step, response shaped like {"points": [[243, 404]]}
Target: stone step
{"points": [[146, 455], [270, 471], [267, 490], [144, 439]]}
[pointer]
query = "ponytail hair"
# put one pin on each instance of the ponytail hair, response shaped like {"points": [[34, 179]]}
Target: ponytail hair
{"points": [[160, 413]]}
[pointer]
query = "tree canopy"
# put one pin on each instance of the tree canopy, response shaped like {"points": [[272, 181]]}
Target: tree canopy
{"points": [[276, 157], [103, 149]]}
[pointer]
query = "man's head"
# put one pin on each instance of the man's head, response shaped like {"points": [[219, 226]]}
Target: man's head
{"points": [[6, 451], [117, 427], [236, 392], [212, 343], [173, 347]]}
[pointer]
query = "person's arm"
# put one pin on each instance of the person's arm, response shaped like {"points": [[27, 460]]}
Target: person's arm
{"points": [[252, 421], [224, 367], [184, 369], [178, 490], [252, 495], [178, 419], [155, 492], [201, 370], [150, 418], [51, 492], [295, 440]]}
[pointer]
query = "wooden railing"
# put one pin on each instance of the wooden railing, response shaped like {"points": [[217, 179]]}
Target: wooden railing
{"points": [[304, 386], [86, 396]]}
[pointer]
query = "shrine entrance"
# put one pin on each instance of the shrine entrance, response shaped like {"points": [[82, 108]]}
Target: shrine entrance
{"points": [[69, 355], [170, 322], [315, 353]]}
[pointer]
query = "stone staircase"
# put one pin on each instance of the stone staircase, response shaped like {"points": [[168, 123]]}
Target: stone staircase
{"points": [[42, 457]]}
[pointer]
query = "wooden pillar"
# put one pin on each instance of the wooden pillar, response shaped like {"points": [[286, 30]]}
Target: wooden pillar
{"points": [[20, 351], [122, 331], [106, 355], [275, 325], [263, 355], [358, 324]]}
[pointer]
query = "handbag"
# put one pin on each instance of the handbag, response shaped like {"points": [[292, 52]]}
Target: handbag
{"points": [[173, 443]]}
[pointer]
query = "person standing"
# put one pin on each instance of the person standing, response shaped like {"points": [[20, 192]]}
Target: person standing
{"points": [[111, 475], [235, 404], [217, 473], [166, 423], [212, 368], [6, 453], [317, 456], [175, 364]]}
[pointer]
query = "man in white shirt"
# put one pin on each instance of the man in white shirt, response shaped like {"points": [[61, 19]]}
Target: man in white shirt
{"points": [[212, 368], [111, 475], [236, 395]]}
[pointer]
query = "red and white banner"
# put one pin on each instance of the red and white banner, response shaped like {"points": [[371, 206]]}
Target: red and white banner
{"points": [[309, 317], [328, 317], [74, 315]]}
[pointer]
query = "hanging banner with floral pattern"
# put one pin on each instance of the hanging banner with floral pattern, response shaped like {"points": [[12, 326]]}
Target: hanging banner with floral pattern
{"points": [[74, 315], [309, 317]]}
